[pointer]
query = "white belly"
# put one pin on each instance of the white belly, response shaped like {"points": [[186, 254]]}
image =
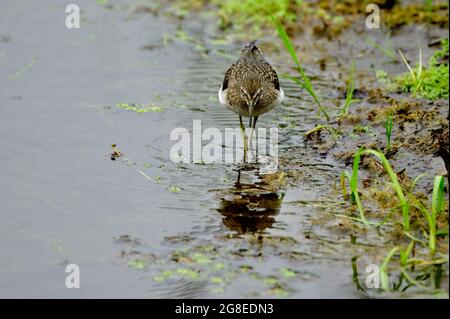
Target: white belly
{"points": [[223, 97], [224, 101]]}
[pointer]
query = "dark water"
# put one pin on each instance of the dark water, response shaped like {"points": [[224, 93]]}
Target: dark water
{"points": [[64, 200]]}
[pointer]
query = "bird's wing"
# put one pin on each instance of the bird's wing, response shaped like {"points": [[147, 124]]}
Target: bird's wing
{"points": [[269, 74], [227, 77], [275, 80]]}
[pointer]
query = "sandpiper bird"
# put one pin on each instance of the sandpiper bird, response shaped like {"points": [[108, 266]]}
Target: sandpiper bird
{"points": [[250, 87]]}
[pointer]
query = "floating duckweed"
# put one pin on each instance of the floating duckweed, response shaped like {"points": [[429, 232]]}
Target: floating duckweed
{"points": [[245, 268], [137, 263], [279, 292], [139, 108], [219, 266], [216, 280], [174, 189], [270, 281], [201, 259], [288, 273], [159, 278], [186, 272], [217, 290]]}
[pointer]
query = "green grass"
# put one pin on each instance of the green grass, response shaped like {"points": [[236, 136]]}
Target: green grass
{"points": [[349, 93], [384, 278], [388, 130], [429, 6], [414, 74], [431, 82], [305, 82], [427, 237], [437, 206], [353, 181], [253, 14]]}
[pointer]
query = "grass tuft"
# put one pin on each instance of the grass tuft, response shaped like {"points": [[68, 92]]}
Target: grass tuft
{"points": [[349, 94], [394, 181]]}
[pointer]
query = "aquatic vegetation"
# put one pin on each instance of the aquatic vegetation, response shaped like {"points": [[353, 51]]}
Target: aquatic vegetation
{"points": [[157, 178], [416, 76], [287, 273], [437, 206], [353, 182], [427, 82], [407, 202], [388, 130], [349, 93], [139, 108], [216, 280], [137, 263], [383, 273], [432, 82], [201, 258], [174, 189], [305, 82]]}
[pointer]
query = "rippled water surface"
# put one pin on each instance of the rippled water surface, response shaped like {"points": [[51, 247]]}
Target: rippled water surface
{"points": [[142, 226]]}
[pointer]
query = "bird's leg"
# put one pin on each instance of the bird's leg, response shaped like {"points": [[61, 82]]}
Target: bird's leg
{"points": [[244, 137], [252, 132]]}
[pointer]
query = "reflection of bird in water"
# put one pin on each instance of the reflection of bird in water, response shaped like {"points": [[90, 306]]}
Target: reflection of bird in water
{"points": [[250, 87], [249, 208]]}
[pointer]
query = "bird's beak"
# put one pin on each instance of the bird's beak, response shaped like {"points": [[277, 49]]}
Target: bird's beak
{"points": [[250, 114]]}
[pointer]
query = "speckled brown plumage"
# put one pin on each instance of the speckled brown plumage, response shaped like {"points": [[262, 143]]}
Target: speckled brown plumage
{"points": [[251, 83]]}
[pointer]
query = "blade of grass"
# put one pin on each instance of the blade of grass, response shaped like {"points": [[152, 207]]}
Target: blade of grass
{"points": [[355, 199], [416, 180], [383, 274], [388, 126], [392, 176], [437, 200], [405, 253], [349, 94], [290, 48], [386, 50], [408, 66], [431, 227]]}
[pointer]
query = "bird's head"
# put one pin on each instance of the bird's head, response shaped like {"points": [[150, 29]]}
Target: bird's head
{"points": [[251, 51]]}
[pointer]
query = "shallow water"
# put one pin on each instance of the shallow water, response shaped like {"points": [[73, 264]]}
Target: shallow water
{"points": [[65, 201]]}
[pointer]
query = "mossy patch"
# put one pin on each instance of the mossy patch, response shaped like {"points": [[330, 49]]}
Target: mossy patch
{"points": [[433, 82]]}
